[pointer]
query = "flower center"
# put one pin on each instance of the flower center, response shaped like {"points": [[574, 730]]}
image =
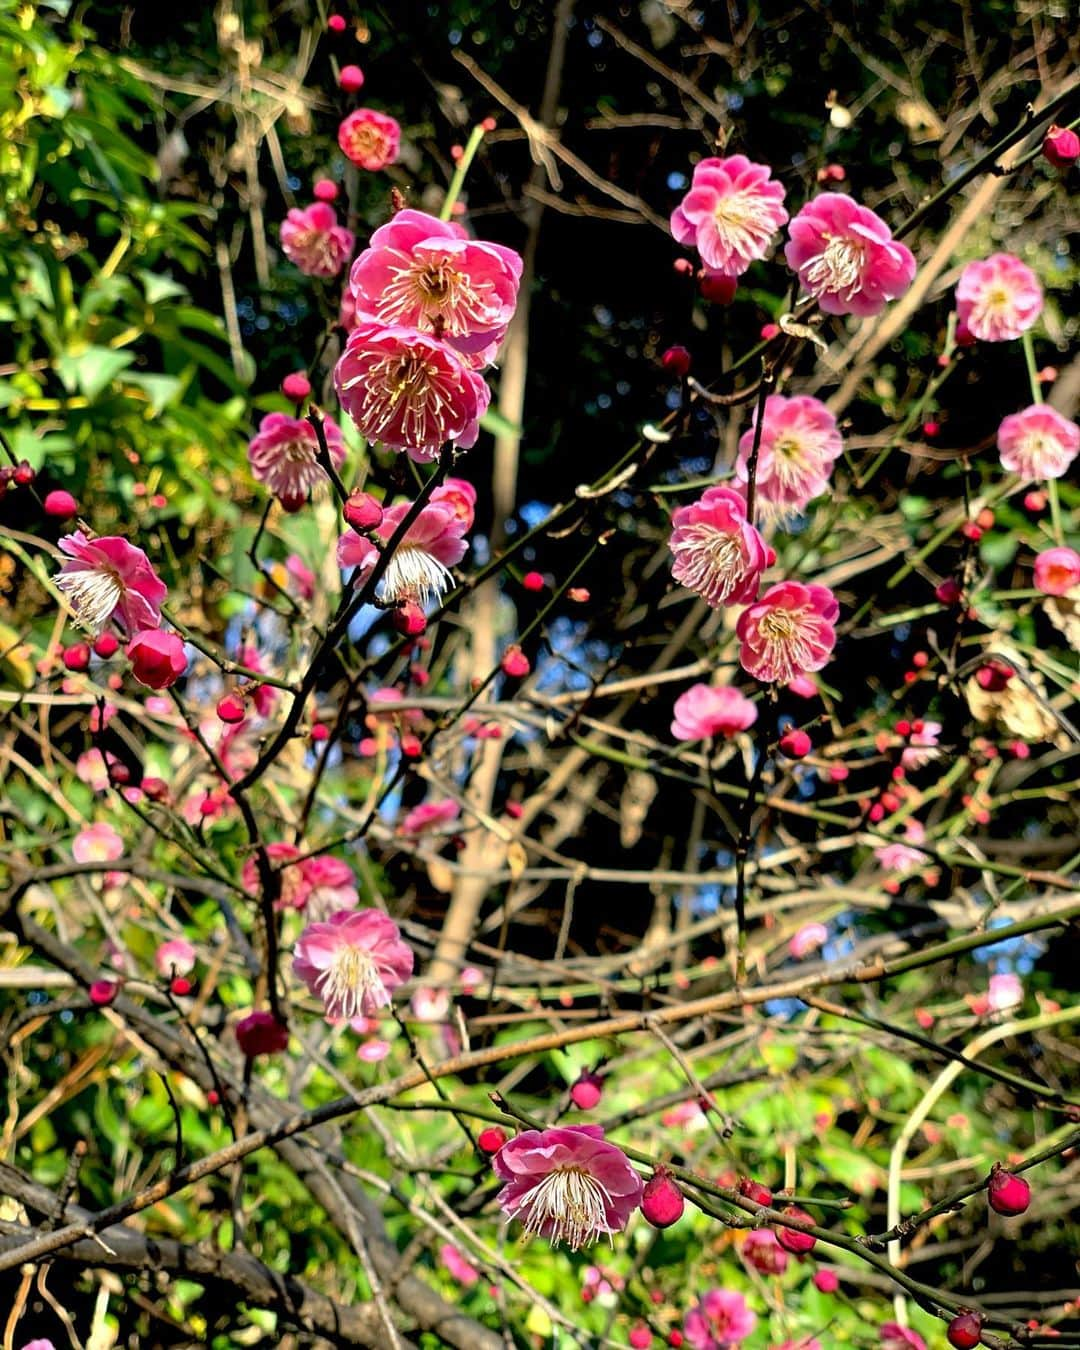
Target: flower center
{"points": [[366, 140], [569, 1206], [739, 222], [433, 295], [93, 593], [413, 574], [351, 984], [710, 562], [837, 270], [786, 641]]}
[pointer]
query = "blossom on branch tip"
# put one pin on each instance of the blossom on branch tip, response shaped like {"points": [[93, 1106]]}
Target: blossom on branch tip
{"points": [[369, 139], [97, 843], [418, 569], [730, 214], [108, 578], [429, 816], [567, 1184], [353, 962], [283, 455], [1057, 571], [846, 257], [1038, 442], [312, 239], [718, 552], [799, 444], [998, 298], [158, 658], [704, 711], [788, 632], [409, 390]]}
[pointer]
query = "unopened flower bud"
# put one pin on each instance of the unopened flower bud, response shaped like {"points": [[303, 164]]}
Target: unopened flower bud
{"points": [[795, 1240], [362, 511], [1008, 1194], [965, 1330], [77, 656], [409, 619], [586, 1091], [677, 360], [1061, 147], [662, 1201], [296, 386], [515, 663], [260, 1033], [795, 744], [231, 709], [351, 79], [61, 504], [491, 1138]]}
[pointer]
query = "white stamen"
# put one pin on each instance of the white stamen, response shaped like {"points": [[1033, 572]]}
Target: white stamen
{"points": [[413, 574], [837, 270], [570, 1204], [93, 593], [710, 562], [739, 223], [351, 983]]}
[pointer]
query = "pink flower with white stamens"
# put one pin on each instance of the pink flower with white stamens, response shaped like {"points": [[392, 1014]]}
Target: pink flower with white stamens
{"points": [[720, 1321], [567, 1184], [788, 632], [429, 816], [1038, 442], [284, 455], [921, 748], [846, 257], [460, 496], [424, 273], [800, 442], [353, 962], [808, 939], [1057, 571], [369, 139], [730, 214], [108, 578], [1006, 990], [998, 298], [900, 859], [175, 957], [704, 711], [409, 390], [97, 843], [418, 569], [718, 553], [92, 769], [312, 239], [331, 886]]}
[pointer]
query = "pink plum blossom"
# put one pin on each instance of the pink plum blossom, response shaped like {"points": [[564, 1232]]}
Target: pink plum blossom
{"points": [[460, 496], [175, 957], [896, 1337], [430, 1005], [718, 552], [567, 1184], [301, 576], [762, 1250], [353, 962], [283, 455], [900, 859], [429, 816], [1057, 571], [808, 939], [788, 632], [846, 257], [97, 843], [720, 1321], [1006, 991], [1038, 442], [108, 578], [92, 769], [408, 390], [998, 298], [457, 1265], [369, 139], [800, 442], [423, 273], [373, 1050], [418, 568], [921, 748], [294, 888], [312, 239], [730, 214], [330, 884], [705, 710]]}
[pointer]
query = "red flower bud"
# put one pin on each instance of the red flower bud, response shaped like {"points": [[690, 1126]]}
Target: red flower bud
{"points": [[640, 1337], [755, 1191], [515, 662], [155, 789], [409, 619], [325, 190], [362, 511], [965, 1330], [61, 504], [533, 581], [1061, 147], [106, 646], [231, 709], [662, 1201], [795, 744], [717, 287], [1008, 1194], [336, 23], [677, 360], [586, 1091], [794, 1239], [296, 386], [949, 592], [993, 676], [157, 658], [826, 1281], [102, 992], [351, 79], [491, 1138], [77, 656], [260, 1033], [23, 473], [181, 986]]}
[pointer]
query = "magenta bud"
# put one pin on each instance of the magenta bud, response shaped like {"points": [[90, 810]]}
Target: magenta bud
{"points": [[231, 709], [965, 1330], [586, 1091], [409, 619], [1008, 1194], [795, 1240], [260, 1033], [826, 1281], [491, 1138], [662, 1202], [362, 511], [677, 360], [61, 504], [351, 79], [296, 386], [755, 1191], [1061, 147], [77, 656], [102, 992]]}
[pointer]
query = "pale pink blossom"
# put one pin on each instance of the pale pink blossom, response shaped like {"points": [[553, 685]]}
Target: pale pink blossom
{"points": [[802, 686], [721, 1320], [430, 1005], [730, 214], [921, 748], [92, 769], [761, 1249], [294, 887], [312, 239], [373, 1050], [1038, 442], [471, 979], [429, 816], [353, 962], [896, 1337], [97, 843], [998, 298], [284, 456], [410, 391], [460, 496], [330, 886], [900, 859], [108, 578], [706, 710], [40, 1344], [808, 939], [788, 632], [800, 442], [424, 273], [1057, 571], [567, 1184], [369, 139], [177, 956], [419, 567], [718, 552], [846, 257], [457, 1265], [1006, 991]]}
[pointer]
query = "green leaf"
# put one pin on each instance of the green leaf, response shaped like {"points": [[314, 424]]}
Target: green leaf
{"points": [[498, 425], [92, 370], [161, 390]]}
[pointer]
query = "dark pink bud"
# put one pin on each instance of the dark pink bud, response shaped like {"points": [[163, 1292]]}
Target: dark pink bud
{"points": [[61, 504], [320, 732], [965, 1330], [533, 581], [157, 658], [677, 360], [993, 676], [325, 190], [515, 663], [296, 386], [826, 1281], [964, 336], [181, 986], [77, 656], [351, 79], [795, 744], [362, 511], [717, 287], [491, 1138], [1061, 147], [411, 746], [106, 646], [1008, 1194], [260, 1033], [102, 992], [640, 1337], [336, 23], [755, 1191], [23, 473], [231, 709], [795, 1240], [155, 789], [949, 592], [586, 1091], [770, 331], [409, 619], [662, 1201]]}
